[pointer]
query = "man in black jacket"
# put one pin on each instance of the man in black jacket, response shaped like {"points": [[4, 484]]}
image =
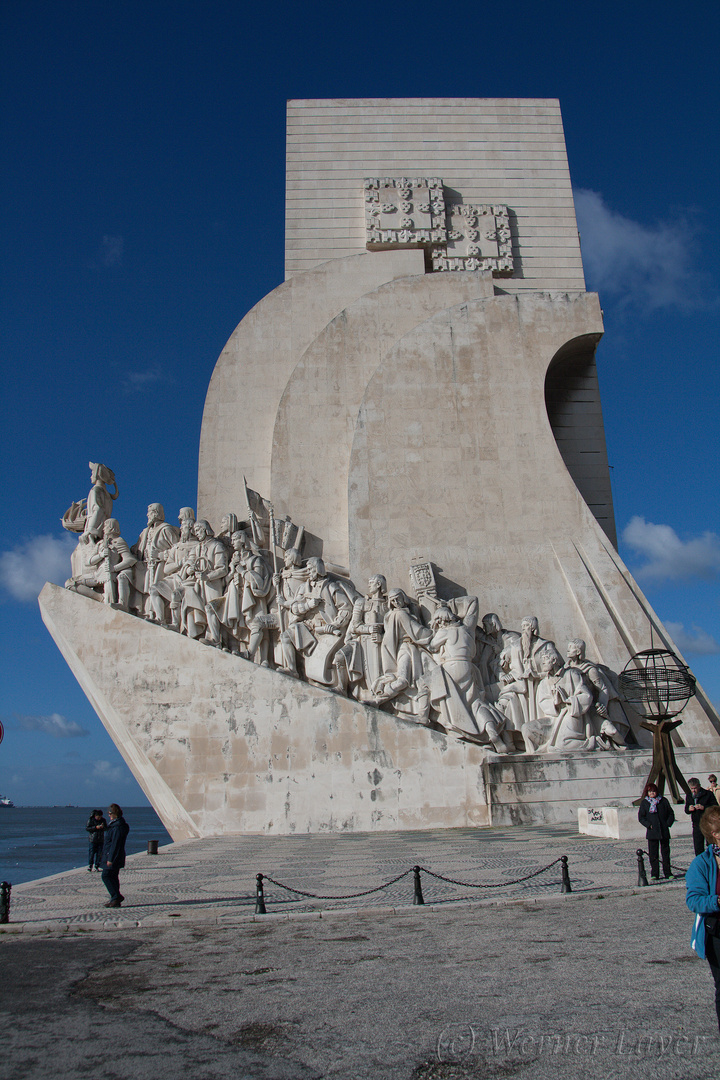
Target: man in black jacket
{"points": [[696, 803], [657, 815], [95, 829], [113, 855]]}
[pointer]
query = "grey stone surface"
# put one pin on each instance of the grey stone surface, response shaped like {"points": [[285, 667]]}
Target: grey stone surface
{"points": [[605, 988]]}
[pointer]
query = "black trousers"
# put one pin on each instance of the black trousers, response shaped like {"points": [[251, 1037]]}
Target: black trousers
{"points": [[712, 954], [111, 881], [664, 846], [698, 841]]}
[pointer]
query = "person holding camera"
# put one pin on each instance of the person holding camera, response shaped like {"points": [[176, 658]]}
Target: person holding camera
{"points": [[95, 829], [702, 898], [696, 803]]}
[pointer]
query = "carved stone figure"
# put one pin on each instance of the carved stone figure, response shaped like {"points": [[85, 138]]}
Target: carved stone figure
{"points": [[360, 658], [455, 690], [521, 671], [490, 644], [99, 500], [612, 720], [204, 576], [403, 660], [318, 614], [153, 543], [229, 525], [244, 608], [168, 591], [565, 718], [107, 569]]}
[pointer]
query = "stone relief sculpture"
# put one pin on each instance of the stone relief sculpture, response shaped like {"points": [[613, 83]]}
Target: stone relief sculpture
{"points": [[427, 659]]}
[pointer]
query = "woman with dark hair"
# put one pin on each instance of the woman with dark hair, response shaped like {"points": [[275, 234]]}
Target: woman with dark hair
{"points": [[657, 815], [702, 898], [113, 855]]}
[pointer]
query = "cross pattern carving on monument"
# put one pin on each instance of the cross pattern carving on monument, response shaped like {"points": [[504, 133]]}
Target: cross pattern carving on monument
{"points": [[412, 212]]}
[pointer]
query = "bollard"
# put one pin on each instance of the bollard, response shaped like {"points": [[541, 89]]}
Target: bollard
{"points": [[565, 885], [152, 847], [5, 890], [259, 896], [417, 894], [642, 876]]}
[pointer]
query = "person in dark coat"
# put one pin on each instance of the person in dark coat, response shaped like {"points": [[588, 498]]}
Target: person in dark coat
{"points": [[696, 803], [95, 829], [113, 854], [657, 815]]}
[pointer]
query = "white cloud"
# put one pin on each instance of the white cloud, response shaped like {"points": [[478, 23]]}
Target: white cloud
{"points": [[698, 641], [111, 251], [648, 266], [25, 569], [142, 380], [669, 557], [104, 772], [55, 724]]}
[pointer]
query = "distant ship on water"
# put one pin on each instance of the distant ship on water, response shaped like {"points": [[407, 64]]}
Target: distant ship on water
{"points": [[4, 801]]}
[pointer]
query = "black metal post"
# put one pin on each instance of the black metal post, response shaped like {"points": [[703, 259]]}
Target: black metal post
{"points": [[152, 847], [565, 885], [259, 896], [418, 897], [642, 876], [5, 890]]}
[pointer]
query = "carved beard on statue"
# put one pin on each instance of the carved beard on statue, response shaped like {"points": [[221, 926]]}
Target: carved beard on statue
{"points": [[526, 639]]}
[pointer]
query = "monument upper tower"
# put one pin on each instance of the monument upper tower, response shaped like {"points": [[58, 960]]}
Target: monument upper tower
{"points": [[484, 150]]}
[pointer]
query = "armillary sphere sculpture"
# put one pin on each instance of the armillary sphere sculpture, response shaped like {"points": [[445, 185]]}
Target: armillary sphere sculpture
{"points": [[658, 686]]}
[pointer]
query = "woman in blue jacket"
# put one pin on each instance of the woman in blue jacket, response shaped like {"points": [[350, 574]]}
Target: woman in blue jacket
{"points": [[703, 899]]}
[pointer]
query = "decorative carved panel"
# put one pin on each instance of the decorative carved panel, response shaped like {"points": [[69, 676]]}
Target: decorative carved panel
{"points": [[411, 212]]}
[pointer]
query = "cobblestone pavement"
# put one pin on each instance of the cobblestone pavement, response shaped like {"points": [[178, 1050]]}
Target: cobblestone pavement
{"points": [[214, 880]]}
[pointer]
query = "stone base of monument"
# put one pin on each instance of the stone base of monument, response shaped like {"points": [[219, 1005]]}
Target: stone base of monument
{"points": [[221, 746], [544, 789]]}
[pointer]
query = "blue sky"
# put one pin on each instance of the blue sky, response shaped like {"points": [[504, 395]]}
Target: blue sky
{"points": [[131, 136]]}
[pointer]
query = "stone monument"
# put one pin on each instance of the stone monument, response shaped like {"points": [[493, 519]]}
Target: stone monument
{"points": [[404, 559]]}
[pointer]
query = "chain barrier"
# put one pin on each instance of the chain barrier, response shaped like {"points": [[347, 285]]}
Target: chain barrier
{"points": [[346, 896], [417, 888], [492, 884]]}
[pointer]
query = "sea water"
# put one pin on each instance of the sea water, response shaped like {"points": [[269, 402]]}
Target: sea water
{"points": [[36, 841]]}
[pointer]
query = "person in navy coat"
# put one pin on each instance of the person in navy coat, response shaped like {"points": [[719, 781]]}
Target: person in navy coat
{"points": [[113, 854]]}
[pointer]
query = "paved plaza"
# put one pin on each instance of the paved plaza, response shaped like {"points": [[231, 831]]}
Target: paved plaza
{"points": [[184, 980], [214, 880]]}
